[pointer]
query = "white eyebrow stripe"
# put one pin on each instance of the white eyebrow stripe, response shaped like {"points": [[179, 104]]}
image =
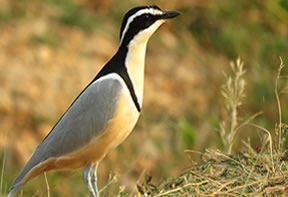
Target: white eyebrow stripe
{"points": [[152, 11]]}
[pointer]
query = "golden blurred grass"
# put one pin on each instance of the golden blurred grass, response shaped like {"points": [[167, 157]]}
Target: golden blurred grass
{"points": [[49, 51]]}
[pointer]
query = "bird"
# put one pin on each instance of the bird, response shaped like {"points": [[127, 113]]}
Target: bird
{"points": [[105, 112]]}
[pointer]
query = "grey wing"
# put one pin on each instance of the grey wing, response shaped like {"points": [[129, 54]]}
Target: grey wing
{"points": [[84, 120]]}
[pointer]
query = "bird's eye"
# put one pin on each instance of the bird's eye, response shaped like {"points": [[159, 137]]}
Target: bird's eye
{"points": [[147, 16]]}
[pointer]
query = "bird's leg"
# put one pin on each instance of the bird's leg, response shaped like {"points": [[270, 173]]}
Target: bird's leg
{"points": [[87, 180], [93, 179]]}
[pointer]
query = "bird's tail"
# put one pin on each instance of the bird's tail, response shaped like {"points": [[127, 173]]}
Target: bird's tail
{"points": [[23, 176], [14, 188]]}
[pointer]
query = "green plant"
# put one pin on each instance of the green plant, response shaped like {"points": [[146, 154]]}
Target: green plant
{"points": [[233, 92], [2, 190]]}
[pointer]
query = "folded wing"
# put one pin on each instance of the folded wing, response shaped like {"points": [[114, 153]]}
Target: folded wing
{"points": [[85, 119]]}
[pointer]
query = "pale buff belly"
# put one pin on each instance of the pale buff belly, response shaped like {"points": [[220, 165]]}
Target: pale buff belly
{"points": [[114, 134]]}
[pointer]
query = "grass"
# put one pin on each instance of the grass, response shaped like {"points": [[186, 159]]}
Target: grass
{"points": [[233, 92], [255, 172], [2, 189], [218, 173], [278, 104]]}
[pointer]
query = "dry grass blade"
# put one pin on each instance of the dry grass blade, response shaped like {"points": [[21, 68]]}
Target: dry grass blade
{"points": [[2, 173], [281, 66], [270, 143], [242, 125], [181, 188], [224, 186], [47, 184]]}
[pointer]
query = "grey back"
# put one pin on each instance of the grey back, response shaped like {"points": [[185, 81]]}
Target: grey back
{"points": [[81, 123]]}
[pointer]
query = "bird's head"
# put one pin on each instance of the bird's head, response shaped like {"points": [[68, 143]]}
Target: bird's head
{"points": [[141, 22]]}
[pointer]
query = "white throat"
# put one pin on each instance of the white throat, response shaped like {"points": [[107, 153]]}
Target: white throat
{"points": [[135, 63], [135, 59]]}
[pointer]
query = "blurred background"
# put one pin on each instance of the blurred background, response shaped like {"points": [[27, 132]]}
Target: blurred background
{"points": [[51, 49]]}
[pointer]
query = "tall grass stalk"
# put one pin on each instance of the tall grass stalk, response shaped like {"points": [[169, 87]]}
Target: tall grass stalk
{"points": [[279, 104], [233, 92], [2, 173], [47, 185]]}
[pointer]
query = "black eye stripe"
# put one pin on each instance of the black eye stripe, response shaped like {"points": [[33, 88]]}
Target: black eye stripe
{"points": [[146, 16], [136, 20], [132, 12]]}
